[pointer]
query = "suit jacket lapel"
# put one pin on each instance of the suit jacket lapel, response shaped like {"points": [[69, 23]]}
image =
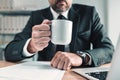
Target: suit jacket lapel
{"points": [[47, 14], [75, 17]]}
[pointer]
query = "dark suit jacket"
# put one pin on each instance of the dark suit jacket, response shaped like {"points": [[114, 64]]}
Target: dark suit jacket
{"points": [[87, 29]]}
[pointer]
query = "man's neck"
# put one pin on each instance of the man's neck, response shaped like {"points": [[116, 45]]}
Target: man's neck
{"points": [[55, 14]]}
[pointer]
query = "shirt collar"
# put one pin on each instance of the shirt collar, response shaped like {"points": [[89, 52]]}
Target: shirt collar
{"points": [[55, 15]]}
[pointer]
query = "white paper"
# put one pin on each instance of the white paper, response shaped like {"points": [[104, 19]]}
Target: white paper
{"points": [[31, 71]]}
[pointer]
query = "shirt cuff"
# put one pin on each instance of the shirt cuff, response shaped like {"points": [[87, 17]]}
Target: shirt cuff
{"points": [[90, 61], [25, 52]]}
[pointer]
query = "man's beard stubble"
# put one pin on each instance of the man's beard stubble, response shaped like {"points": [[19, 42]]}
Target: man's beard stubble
{"points": [[60, 10]]}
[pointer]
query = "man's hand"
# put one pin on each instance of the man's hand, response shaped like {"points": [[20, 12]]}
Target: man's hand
{"points": [[65, 60], [40, 37]]}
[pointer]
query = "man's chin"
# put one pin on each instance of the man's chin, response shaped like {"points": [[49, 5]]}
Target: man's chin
{"points": [[60, 10]]}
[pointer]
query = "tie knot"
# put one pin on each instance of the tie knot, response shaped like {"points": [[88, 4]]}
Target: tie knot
{"points": [[61, 17]]}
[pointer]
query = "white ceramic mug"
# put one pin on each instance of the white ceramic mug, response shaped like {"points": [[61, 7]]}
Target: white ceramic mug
{"points": [[61, 32]]}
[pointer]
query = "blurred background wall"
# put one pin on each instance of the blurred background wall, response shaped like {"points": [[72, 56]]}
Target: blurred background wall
{"points": [[114, 19]]}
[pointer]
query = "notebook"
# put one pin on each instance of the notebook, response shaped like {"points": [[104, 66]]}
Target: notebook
{"points": [[104, 73]]}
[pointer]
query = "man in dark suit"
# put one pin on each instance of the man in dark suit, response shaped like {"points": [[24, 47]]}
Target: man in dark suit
{"points": [[87, 29]]}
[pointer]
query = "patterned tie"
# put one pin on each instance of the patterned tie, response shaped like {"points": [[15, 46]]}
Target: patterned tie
{"points": [[60, 47]]}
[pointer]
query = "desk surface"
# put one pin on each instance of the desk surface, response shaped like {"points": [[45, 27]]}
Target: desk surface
{"points": [[69, 75]]}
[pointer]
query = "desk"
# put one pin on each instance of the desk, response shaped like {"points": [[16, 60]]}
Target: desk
{"points": [[69, 75]]}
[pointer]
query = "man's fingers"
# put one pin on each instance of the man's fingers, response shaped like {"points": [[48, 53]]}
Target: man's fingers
{"points": [[40, 34], [67, 64], [64, 63], [55, 60], [61, 62], [46, 21], [56, 56], [42, 40], [41, 27]]}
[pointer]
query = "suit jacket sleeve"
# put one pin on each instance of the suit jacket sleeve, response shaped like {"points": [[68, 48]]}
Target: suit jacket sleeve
{"points": [[13, 51], [102, 46], [88, 30]]}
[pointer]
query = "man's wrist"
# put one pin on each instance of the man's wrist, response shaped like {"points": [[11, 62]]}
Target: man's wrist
{"points": [[26, 53], [84, 56], [31, 49]]}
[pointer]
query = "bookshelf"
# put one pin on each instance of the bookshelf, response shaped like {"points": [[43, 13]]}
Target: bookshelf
{"points": [[14, 15], [11, 22]]}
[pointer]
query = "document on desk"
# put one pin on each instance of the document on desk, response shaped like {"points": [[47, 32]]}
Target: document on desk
{"points": [[31, 71]]}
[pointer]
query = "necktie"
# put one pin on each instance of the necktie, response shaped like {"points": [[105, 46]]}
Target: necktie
{"points": [[61, 17], [60, 47]]}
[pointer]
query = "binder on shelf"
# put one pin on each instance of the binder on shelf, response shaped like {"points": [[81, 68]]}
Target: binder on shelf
{"points": [[12, 24], [29, 4], [22, 4]]}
